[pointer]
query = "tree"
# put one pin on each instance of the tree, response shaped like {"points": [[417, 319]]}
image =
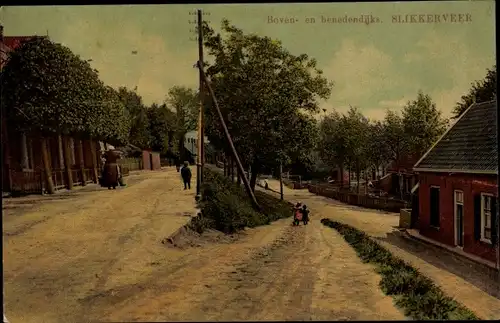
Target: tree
{"points": [[377, 150], [263, 91], [394, 134], [184, 102], [356, 128], [481, 91], [138, 116], [422, 124], [162, 127], [333, 142], [48, 89]]}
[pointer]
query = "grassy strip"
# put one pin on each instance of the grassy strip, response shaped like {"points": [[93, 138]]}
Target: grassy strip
{"points": [[226, 207], [416, 294]]}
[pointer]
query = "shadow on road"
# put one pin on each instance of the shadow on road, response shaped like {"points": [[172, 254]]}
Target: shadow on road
{"points": [[481, 276]]}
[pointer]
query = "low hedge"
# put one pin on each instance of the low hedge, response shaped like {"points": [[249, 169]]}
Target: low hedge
{"points": [[416, 294], [226, 207]]}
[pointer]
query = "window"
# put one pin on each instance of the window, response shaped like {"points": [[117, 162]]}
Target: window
{"points": [[434, 206], [486, 213]]}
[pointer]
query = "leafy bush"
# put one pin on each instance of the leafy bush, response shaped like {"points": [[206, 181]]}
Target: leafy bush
{"points": [[420, 298], [228, 208]]}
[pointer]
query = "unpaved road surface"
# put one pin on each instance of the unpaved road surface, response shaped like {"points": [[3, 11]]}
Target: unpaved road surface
{"points": [[98, 257], [468, 283]]}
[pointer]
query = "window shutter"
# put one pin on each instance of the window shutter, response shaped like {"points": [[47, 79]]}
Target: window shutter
{"points": [[477, 216], [494, 221]]}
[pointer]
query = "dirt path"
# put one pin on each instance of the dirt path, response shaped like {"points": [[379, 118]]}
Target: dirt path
{"points": [[277, 272], [61, 255], [99, 258], [451, 274]]}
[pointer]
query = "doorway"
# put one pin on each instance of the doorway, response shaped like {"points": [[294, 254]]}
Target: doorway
{"points": [[459, 218]]}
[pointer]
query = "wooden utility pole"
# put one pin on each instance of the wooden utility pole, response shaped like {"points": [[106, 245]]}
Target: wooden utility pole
{"points": [[201, 134], [230, 141], [281, 181]]}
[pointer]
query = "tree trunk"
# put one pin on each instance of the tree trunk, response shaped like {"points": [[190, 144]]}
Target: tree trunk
{"points": [[67, 164], [357, 177], [341, 175], [81, 162], [46, 166], [94, 161], [238, 178], [6, 157], [24, 152], [366, 181], [254, 171], [225, 166], [232, 170], [281, 181]]}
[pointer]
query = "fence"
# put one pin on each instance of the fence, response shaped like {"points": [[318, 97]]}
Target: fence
{"points": [[130, 164], [33, 181], [367, 201], [295, 185]]}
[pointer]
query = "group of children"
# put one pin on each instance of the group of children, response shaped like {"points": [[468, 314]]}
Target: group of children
{"points": [[301, 213]]}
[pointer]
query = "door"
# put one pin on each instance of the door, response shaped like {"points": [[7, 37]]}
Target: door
{"points": [[151, 161], [459, 218]]}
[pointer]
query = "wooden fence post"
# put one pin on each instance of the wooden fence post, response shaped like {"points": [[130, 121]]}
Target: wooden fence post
{"points": [[81, 162], [46, 166], [67, 163]]}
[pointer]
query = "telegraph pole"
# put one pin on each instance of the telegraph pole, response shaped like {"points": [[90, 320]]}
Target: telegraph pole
{"points": [[201, 135]]}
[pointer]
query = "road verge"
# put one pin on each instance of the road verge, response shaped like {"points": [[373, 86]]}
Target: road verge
{"points": [[416, 294], [226, 208]]}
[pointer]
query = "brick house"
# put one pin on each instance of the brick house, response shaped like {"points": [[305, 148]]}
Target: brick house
{"points": [[72, 161], [458, 186]]}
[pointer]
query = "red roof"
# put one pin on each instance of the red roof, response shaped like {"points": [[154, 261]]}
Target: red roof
{"points": [[15, 41]]}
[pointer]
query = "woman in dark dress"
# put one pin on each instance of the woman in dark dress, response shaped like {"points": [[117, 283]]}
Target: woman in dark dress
{"points": [[111, 171]]}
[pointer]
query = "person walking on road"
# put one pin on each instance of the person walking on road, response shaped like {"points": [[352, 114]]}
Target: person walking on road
{"points": [[186, 175]]}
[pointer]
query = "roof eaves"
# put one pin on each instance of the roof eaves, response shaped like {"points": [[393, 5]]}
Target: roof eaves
{"points": [[442, 136]]}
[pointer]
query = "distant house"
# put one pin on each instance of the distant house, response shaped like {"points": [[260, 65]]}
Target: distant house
{"points": [[191, 144], [400, 177], [458, 184]]}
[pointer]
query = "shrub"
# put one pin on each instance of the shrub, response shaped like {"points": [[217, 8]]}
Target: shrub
{"points": [[227, 207], [415, 293]]}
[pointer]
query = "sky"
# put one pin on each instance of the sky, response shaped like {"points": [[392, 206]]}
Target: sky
{"points": [[375, 66]]}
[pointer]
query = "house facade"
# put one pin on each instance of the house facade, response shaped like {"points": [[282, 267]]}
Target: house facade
{"points": [[458, 186]]}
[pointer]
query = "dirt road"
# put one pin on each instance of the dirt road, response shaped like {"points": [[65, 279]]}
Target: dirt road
{"points": [[99, 258], [467, 283], [62, 254]]}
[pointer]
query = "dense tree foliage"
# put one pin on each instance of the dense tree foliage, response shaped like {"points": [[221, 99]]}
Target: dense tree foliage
{"points": [[184, 103], [162, 123], [352, 141], [48, 89], [138, 115], [481, 91], [422, 123], [264, 92]]}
